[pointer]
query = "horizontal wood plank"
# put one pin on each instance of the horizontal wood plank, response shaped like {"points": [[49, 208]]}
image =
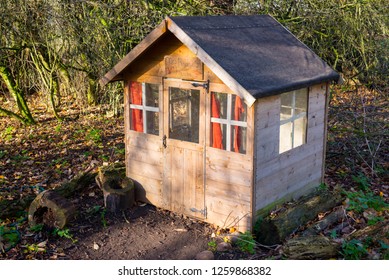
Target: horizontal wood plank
{"points": [[227, 210], [267, 112], [145, 169], [145, 156], [293, 157], [228, 192], [289, 178], [184, 67], [228, 176], [228, 160], [299, 188], [242, 223], [144, 141]]}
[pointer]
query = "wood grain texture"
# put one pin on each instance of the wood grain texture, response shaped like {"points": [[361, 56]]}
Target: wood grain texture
{"points": [[280, 175]]}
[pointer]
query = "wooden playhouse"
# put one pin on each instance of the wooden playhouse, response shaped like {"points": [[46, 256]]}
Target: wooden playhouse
{"points": [[224, 116]]}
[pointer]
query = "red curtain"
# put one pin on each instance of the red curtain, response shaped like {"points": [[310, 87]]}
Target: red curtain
{"points": [[217, 135], [136, 114], [238, 110]]}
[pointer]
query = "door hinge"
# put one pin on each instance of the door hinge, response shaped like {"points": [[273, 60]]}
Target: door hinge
{"points": [[204, 85], [164, 141], [202, 211]]}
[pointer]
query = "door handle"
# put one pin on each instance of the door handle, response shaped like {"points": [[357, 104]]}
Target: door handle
{"points": [[164, 141]]}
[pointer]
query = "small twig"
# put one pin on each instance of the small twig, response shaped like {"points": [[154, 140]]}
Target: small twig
{"points": [[125, 218]]}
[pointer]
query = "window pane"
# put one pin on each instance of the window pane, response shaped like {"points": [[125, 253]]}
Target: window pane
{"points": [[152, 122], [218, 139], [238, 139], [219, 102], [152, 95], [136, 120], [136, 93], [299, 132], [285, 137], [301, 101], [286, 105], [184, 114], [239, 108], [136, 115]]}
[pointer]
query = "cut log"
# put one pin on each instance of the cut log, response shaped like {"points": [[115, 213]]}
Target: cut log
{"points": [[273, 229], [332, 218], [118, 190], [51, 209], [51, 206], [311, 248]]}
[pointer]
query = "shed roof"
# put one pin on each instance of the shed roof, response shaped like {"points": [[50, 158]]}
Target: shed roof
{"points": [[254, 55]]}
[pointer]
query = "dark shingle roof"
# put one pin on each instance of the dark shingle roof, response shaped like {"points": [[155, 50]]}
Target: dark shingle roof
{"points": [[258, 52], [253, 55]]}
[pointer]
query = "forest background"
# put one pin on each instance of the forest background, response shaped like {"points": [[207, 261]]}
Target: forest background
{"points": [[60, 48]]}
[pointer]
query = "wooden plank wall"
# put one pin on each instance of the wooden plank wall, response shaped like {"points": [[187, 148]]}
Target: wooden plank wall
{"points": [[144, 159], [297, 170], [169, 58], [229, 176], [228, 189]]}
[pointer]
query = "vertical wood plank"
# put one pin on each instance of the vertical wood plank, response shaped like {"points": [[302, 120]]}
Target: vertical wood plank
{"points": [[327, 96]]}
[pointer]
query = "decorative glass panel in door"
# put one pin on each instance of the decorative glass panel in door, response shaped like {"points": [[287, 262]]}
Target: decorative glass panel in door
{"points": [[184, 107]]}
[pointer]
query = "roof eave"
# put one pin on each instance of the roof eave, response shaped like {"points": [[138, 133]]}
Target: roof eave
{"points": [[331, 77]]}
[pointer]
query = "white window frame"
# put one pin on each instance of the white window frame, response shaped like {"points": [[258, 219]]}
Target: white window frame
{"points": [[229, 122], [145, 108], [295, 117]]}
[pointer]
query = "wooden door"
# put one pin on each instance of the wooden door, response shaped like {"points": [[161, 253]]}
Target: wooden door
{"points": [[184, 147]]}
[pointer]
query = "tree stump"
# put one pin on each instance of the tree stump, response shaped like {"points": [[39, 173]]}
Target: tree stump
{"points": [[118, 190], [51, 209]]}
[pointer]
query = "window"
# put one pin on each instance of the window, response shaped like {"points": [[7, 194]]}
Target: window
{"points": [[144, 107], [228, 122], [293, 119], [184, 106]]}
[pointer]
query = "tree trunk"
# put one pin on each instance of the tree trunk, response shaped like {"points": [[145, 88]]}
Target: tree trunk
{"points": [[274, 229], [18, 96], [49, 77], [13, 115], [91, 93]]}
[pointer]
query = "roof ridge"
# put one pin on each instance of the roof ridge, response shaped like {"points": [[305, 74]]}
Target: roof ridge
{"points": [[232, 26]]}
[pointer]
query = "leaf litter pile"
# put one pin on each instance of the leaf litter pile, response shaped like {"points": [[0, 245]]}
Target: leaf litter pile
{"points": [[40, 157]]}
